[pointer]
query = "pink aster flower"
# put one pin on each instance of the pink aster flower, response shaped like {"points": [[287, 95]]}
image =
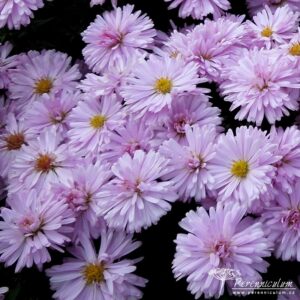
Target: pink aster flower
{"points": [[81, 191], [198, 9], [92, 122], [12, 138], [111, 80], [119, 34], [288, 148], [219, 239], [42, 73], [127, 139], [210, 44], [100, 275], [15, 13], [261, 83], [6, 63], [257, 5], [185, 110], [52, 112], [34, 224], [136, 198], [188, 165], [272, 29], [282, 224], [154, 84], [42, 162], [243, 165]]}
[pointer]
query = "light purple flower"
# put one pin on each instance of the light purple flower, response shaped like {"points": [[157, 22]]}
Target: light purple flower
{"points": [[288, 148], [219, 239], [3, 290], [261, 83], [257, 5], [211, 44], [42, 162], [127, 139], [282, 224], [7, 62], [111, 80], [243, 166], [80, 191], [156, 82], [92, 121], [136, 198], [188, 165], [15, 13], [42, 73], [34, 224], [189, 109], [198, 9], [272, 29], [12, 138], [119, 34], [52, 112], [100, 275]]}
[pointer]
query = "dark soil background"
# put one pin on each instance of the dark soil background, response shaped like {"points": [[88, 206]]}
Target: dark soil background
{"points": [[58, 26]]}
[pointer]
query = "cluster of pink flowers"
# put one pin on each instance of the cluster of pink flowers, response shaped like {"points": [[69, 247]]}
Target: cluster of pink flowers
{"points": [[103, 155]]}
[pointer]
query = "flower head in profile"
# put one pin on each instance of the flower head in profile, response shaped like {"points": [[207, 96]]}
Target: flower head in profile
{"points": [[185, 110], [136, 198], [288, 148], [52, 112], [40, 163], [212, 43], [188, 165], [198, 9], [12, 138], [243, 166], [92, 122], [102, 274], [118, 34], [271, 29], [111, 80], [282, 224], [128, 138], [258, 5], [32, 225], [261, 84], [15, 13], [80, 191], [7, 62], [220, 238], [38, 73], [153, 86]]}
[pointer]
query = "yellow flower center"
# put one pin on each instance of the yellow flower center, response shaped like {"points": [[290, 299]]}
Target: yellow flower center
{"points": [[240, 168], [14, 141], [44, 163], [295, 49], [163, 85], [93, 273], [267, 32], [98, 121], [43, 86]]}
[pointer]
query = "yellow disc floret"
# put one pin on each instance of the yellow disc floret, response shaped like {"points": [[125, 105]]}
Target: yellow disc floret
{"points": [[98, 121], [240, 168], [93, 273], [163, 85], [43, 86], [295, 49], [267, 32]]}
